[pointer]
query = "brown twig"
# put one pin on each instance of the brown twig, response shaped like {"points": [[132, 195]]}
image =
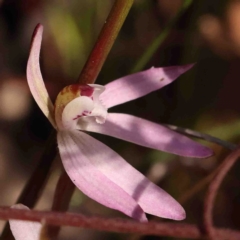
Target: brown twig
{"points": [[212, 192], [36, 182], [62, 196], [178, 230]]}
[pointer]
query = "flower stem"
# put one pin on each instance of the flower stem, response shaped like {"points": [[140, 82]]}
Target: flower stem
{"points": [[105, 41]]}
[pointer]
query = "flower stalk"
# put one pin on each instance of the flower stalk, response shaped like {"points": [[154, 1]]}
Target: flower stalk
{"points": [[105, 41]]}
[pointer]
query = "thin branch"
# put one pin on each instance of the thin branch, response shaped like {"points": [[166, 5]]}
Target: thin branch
{"points": [[36, 182], [212, 192], [105, 41], [203, 136], [178, 230]]}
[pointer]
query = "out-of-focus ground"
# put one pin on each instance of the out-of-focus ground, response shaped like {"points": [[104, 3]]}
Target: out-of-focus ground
{"points": [[205, 99]]}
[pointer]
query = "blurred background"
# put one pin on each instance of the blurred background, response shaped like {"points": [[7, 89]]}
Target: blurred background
{"points": [[205, 99]]}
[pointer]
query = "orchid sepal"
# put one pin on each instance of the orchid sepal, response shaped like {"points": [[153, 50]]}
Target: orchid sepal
{"points": [[34, 77]]}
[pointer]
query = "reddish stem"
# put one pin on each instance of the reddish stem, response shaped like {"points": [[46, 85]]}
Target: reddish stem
{"points": [[212, 192], [105, 41], [178, 230]]}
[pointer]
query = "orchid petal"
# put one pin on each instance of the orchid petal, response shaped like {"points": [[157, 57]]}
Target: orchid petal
{"points": [[78, 161], [99, 157], [148, 134], [139, 84], [25, 230], [34, 77]]}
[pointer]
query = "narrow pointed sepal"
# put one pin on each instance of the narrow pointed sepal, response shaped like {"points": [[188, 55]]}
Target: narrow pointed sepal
{"points": [[149, 134], [34, 77], [106, 177], [80, 162], [140, 84]]}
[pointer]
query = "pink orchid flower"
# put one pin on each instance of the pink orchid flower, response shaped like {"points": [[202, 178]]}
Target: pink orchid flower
{"points": [[25, 230], [94, 168]]}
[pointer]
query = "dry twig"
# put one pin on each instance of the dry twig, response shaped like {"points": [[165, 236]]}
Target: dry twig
{"points": [[178, 230], [212, 192]]}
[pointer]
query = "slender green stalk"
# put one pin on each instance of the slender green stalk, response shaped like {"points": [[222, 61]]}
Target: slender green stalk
{"points": [[159, 40], [105, 41]]}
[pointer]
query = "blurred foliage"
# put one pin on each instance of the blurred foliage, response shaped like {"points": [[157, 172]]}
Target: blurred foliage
{"points": [[205, 98]]}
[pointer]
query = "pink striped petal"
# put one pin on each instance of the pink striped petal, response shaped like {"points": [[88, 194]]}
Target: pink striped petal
{"points": [[139, 84], [148, 134], [34, 77], [79, 163], [25, 230], [88, 162]]}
